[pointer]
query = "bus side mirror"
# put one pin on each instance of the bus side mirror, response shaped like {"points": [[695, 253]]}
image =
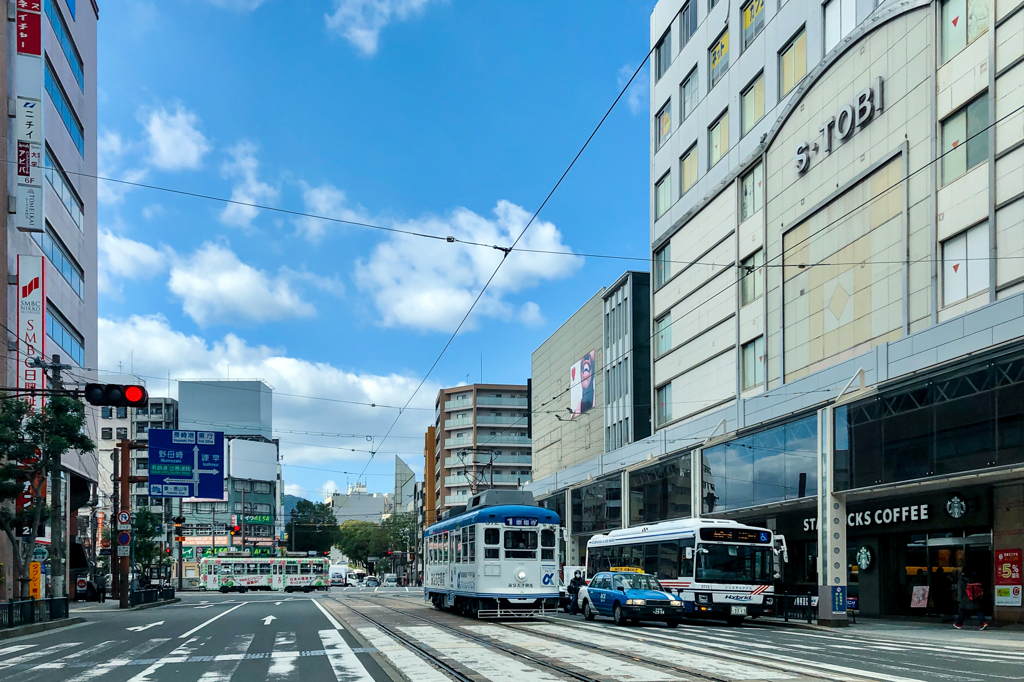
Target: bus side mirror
{"points": [[689, 553]]}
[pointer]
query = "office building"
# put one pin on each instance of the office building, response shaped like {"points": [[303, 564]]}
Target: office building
{"points": [[836, 216], [481, 442], [357, 504]]}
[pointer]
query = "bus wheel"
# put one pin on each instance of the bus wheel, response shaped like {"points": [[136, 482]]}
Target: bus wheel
{"points": [[734, 621]]}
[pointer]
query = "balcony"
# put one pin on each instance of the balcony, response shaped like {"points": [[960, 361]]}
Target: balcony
{"points": [[458, 443], [483, 440], [456, 499], [459, 423], [492, 420], [504, 402], [452, 405], [483, 459], [483, 480]]}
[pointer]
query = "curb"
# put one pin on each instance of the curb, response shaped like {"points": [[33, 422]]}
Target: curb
{"points": [[36, 628], [142, 607]]}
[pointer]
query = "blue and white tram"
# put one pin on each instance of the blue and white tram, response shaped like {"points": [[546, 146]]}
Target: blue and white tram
{"points": [[498, 559]]}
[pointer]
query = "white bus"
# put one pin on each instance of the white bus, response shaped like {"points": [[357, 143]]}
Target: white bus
{"points": [[237, 571], [720, 569]]}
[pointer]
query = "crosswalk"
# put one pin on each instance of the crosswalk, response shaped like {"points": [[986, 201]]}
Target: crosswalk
{"points": [[324, 655]]}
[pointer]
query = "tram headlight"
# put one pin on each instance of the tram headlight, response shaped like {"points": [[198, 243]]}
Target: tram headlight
{"points": [[635, 602], [521, 575], [675, 603]]}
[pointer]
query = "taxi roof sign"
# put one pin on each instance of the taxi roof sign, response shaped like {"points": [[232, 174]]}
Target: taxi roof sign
{"points": [[626, 569]]}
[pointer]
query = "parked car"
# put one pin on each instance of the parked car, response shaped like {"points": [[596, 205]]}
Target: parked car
{"points": [[371, 582]]}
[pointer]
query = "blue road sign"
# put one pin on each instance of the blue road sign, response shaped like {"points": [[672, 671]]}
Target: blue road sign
{"points": [[186, 463], [123, 538]]}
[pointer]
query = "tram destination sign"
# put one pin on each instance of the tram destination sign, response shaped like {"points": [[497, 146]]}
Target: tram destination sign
{"points": [[761, 537], [519, 521], [186, 463]]}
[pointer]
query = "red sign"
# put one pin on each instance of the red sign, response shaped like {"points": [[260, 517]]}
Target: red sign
{"points": [[1008, 577], [30, 33], [24, 159], [31, 312]]}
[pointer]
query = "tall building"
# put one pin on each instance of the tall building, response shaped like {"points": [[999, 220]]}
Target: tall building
{"points": [[238, 407], [837, 198], [50, 248], [357, 504], [481, 441]]}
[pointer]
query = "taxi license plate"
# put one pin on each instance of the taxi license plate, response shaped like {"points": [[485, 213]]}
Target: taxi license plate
{"points": [[738, 611], [659, 612]]}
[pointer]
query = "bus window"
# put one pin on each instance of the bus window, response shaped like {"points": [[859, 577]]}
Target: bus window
{"points": [[291, 569], [668, 561], [651, 556], [305, 569], [264, 569], [685, 565], [520, 544]]}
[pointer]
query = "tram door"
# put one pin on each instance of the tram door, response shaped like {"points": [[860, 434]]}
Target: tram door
{"points": [[277, 575]]}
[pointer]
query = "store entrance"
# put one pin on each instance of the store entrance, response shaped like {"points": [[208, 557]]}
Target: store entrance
{"points": [[932, 566]]}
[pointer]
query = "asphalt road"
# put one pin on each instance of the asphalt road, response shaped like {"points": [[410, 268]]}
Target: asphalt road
{"points": [[208, 637]]}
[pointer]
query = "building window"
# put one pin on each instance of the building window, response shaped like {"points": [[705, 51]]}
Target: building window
{"points": [[752, 282], [753, 20], [142, 465], [965, 139], [688, 23], [711, 4], [718, 139], [122, 432], [663, 53], [664, 404], [122, 412], [689, 168], [965, 264], [840, 18], [106, 413], [963, 21], [793, 63], [65, 336], [662, 265], [64, 110], [753, 104], [688, 95], [753, 363], [664, 123], [67, 45], [106, 433], [718, 57], [664, 335], [60, 257], [141, 428], [663, 194], [752, 196], [62, 186]]}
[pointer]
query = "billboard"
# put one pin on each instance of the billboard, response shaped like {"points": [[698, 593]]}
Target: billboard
{"points": [[581, 385], [31, 313]]}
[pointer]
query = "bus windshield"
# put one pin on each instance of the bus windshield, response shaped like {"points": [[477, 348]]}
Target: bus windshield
{"points": [[739, 564]]}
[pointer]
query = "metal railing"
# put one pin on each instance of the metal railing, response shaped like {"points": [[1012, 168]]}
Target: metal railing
{"points": [[794, 606], [151, 595], [25, 612]]}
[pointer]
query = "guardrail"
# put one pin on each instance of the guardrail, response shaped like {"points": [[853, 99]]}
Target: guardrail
{"points": [[24, 612], [794, 606], [151, 595]]}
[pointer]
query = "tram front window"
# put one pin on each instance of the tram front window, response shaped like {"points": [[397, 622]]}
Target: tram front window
{"points": [[739, 564], [520, 544]]}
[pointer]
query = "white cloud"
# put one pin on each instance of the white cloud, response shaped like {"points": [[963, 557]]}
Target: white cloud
{"points": [[327, 201], [329, 285], [530, 314], [124, 258], [636, 97], [155, 349], [249, 189], [216, 287], [175, 142], [430, 284], [361, 21], [152, 211], [111, 149]]}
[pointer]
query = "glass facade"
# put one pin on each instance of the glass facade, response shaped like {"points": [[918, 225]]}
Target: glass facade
{"points": [[771, 466], [598, 506], [965, 421], [660, 492]]}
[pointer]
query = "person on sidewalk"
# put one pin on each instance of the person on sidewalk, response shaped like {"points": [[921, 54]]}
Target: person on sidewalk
{"points": [[574, 589], [969, 592]]}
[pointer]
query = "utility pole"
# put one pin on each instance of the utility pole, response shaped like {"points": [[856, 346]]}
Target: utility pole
{"points": [[180, 532], [242, 523], [115, 572], [123, 561]]}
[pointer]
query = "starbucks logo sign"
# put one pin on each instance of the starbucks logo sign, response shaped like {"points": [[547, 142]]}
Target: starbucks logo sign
{"points": [[865, 558], [956, 507]]}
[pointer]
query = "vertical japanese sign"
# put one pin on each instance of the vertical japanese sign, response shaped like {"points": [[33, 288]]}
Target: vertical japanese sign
{"points": [[1008, 577], [31, 314], [35, 580], [29, 104]]}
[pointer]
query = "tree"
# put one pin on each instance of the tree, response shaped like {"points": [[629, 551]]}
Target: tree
{"points": [[32, 443], [360, 540], [146, 529], [400, 536], [313, 527]]}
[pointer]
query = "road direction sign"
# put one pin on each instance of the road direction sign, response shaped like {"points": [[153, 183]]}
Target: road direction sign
{"points": [[123, 517], [186, 464], [124, 538]]}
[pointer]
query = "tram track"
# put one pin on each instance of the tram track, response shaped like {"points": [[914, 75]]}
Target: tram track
{"points": [[512, 651]]}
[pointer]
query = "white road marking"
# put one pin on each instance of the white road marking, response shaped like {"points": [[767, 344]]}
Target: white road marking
{"points": [[719, 667], [179, 655], [268, 619], [200, 627], [488, 662], [222, 673], [204, 607], [124, 659], [39, 653], [402, 658], [334, 621], [64, 660], [346, 666], [140, 628], [16, 647], [277, 603], [576, 657], [283, 665]]}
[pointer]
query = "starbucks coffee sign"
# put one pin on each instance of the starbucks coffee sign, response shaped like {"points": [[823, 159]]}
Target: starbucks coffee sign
{"points": [[879, 517], [842, 127]]}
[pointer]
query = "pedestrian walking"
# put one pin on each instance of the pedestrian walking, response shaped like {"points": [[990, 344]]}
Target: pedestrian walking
{"points": [[970, 593], [574, 589]]}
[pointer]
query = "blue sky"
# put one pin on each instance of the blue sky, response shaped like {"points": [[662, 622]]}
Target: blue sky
{"points": [[451, 118]]}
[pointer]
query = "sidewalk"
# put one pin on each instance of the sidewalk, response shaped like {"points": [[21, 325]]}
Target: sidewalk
{"points": [[1010, 635]]}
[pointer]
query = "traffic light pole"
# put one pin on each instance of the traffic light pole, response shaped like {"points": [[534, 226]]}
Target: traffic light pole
{"points": [[124, 562], [179, 532]]}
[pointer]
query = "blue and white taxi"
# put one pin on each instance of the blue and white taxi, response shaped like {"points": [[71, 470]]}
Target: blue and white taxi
{"points": [[629, 595]]}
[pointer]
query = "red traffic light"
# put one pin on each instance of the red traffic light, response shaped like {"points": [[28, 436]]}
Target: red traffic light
{"points": [[116, 395], [134, 394]]}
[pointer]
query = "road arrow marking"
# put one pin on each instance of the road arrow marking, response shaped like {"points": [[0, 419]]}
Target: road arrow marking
{"points": [[266, 621], [140, 628], [204, 607], [277, 603]]}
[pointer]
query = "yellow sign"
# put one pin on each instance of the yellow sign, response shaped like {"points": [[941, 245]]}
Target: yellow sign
{"points": [[751, 12], [35, 580], [719, 50], [626, 569]]}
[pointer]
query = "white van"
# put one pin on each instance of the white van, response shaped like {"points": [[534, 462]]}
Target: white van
{"points": [[390, 580], [338, 575]]}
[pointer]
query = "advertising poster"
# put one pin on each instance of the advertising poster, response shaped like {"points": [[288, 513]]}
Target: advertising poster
{"points": [[581, 385], [1008, 577], [919, 598]]}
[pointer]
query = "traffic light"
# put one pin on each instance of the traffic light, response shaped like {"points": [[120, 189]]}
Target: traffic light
{"points": [[327, 552], [168, 550], [178, 520], [236, 530], [116, 395]]}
